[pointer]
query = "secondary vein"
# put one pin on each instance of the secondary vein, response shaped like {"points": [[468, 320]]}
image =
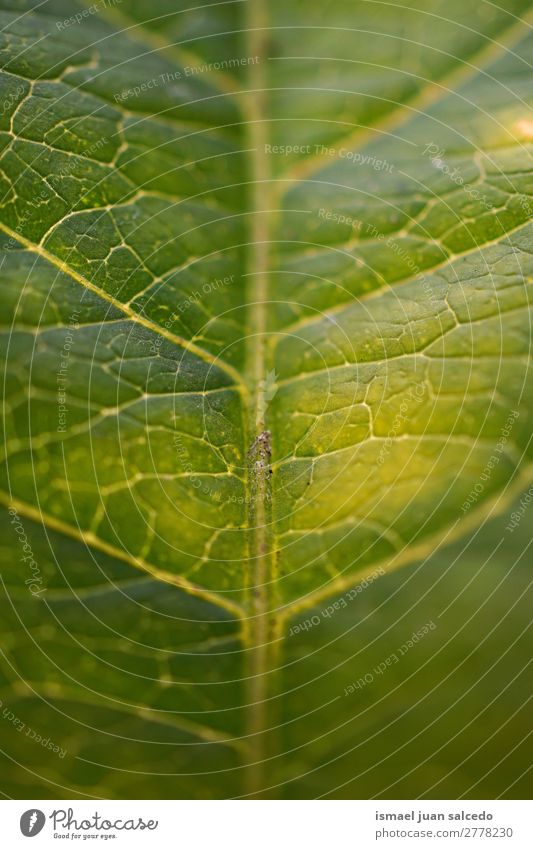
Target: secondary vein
{"points": [[91, 540], [129, 313]]}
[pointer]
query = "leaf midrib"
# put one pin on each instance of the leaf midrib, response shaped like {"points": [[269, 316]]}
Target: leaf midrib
{"points": [[262, 621]]}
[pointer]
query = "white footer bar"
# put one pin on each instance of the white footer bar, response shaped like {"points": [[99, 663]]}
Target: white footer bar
{"points": [[267, 824]]}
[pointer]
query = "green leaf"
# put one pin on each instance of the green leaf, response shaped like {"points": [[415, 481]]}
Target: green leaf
{"points": [[266, 334]]}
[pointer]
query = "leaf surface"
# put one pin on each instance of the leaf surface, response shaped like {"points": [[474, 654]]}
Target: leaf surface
{"points": [[266, 330]]}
